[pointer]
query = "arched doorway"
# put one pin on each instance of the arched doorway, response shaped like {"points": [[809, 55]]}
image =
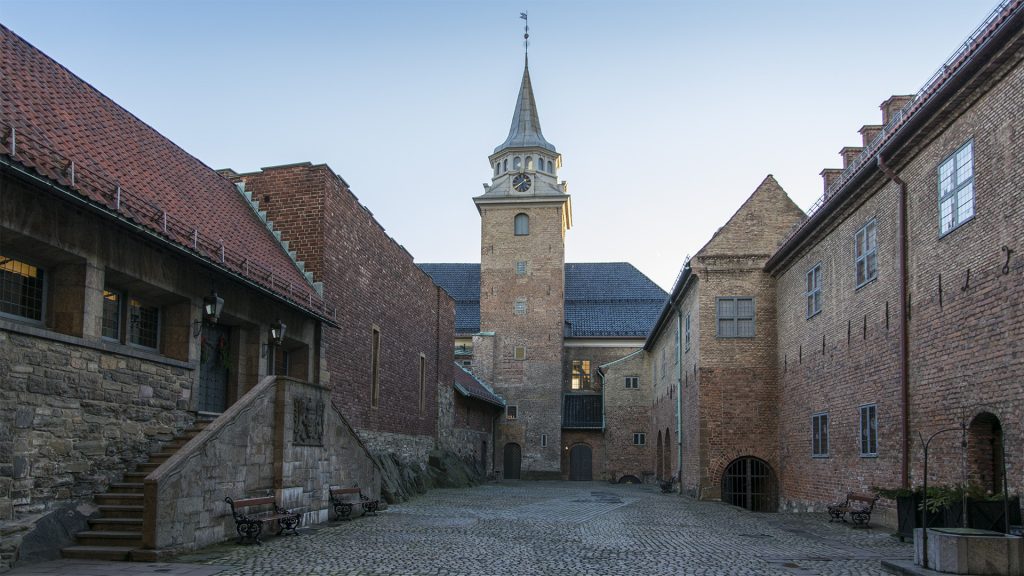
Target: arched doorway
{"points": [[659, 460], [513, 460], [985, 452], [580, 460], [750, 483]]}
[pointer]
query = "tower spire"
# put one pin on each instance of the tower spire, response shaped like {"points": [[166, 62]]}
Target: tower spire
{"points": [[525, 130]]}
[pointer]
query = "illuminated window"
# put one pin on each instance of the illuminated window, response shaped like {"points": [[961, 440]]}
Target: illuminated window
{"points": [[580, 374], [21, 289]]}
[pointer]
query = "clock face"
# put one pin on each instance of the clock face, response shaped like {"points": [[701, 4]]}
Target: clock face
{"points": [[521, 183]]}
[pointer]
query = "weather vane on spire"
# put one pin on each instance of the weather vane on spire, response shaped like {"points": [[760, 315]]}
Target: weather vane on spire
{"points": [[526, 32]]}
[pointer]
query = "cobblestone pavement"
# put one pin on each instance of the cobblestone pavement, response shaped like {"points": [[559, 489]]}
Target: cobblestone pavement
{"points": [[565, 528]]}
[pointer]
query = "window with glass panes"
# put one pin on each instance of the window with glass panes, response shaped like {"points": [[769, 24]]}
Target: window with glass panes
{"points": [[735, 317], [112, 315], [687, 332], [866, 253], [819, 435], [956, 189], [869, 430], [580, 374], [143, 324], [21, 289], [632, 382], [813, 291], [639, 438]]}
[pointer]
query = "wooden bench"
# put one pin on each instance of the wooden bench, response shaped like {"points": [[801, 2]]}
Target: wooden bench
{"points": [[858, 506], [343, 506], [666, 485], [249, 525]]}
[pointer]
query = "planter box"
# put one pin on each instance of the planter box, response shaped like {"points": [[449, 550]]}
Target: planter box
{"points": [[970, 551], [908, 516], [981, 514]]}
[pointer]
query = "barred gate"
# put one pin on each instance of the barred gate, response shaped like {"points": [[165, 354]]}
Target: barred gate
{"points": [[750, 483]]}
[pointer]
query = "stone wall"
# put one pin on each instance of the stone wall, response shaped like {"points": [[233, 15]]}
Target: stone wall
{"points": [[283, 438], [627, 411]]}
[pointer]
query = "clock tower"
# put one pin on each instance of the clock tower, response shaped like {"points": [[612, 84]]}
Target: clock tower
{"points": [[524, 215]]}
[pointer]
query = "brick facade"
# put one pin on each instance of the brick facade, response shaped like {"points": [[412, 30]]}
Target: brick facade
{"points": [[377, 287]]}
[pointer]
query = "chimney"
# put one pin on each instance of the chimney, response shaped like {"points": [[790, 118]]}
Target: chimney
{"points": [[850, 154], [893, 105], [868, 133], [828, 176]]}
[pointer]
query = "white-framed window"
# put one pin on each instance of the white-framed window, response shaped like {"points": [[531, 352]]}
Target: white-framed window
{"points": [[687, 329], [580, 374], [143, 324], [520, 306], [521, 268], [956, 188], [813, 290], [735, 317], [522, 225], [520, 353], [865, 253], [819, 435], [639, 438], [632, 382], [869, 430], [511, 412], [22, 289]]}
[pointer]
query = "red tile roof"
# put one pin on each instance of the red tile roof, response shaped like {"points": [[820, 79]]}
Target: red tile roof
{"points": [[71, 134]]}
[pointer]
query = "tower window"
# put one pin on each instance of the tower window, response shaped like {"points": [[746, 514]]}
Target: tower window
{"points": [[504, 165], [522, 225], [551, 170], [529, 162], [497, 168], [516, 163]]}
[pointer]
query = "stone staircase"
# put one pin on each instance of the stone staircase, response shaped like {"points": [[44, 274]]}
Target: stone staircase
{"points": [[117, 531]]}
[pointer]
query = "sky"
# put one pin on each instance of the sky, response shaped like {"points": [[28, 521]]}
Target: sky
{"points": [[668, 114]]}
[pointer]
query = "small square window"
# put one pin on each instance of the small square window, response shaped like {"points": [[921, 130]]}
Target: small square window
{"points": [[632, 382], [511, 412], [639, 438], [520, 307], [521, 268], [819, 435], [735, 317], [520, 353]]}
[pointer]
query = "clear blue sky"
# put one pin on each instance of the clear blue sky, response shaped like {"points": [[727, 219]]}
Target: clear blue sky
{"points": [[667, 114]]}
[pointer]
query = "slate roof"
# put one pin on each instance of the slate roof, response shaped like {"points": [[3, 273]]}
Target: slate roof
{"points": [[470, 386], [58, 119], [525, 129], [606, 299]]}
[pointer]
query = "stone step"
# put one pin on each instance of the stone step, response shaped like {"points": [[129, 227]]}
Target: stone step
{"points": [[116, 524], [119, 499], [98, 552], [121, 511], [159, 457], [125, 488], [109, 538], [135, 477], [147, 467]]}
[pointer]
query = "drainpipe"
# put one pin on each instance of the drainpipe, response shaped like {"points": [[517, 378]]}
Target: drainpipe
{"points": [[679, 398], [904, 363]]}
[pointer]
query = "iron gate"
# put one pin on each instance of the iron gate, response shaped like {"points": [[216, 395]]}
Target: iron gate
{"points": [[750, 483]]}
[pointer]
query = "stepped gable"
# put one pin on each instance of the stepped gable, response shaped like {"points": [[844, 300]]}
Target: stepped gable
{"points": [[462, 283], [58, 117], [472, 387], [602, 299], [759, 225]]}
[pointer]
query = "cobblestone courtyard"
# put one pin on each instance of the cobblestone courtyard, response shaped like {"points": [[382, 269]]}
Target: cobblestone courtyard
{"points": [[566, 528]]}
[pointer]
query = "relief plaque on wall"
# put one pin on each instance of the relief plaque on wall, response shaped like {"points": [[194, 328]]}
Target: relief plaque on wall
{"points": [[308, 421]]}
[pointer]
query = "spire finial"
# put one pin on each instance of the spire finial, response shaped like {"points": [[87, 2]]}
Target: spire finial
{"points": [[526, 33]]}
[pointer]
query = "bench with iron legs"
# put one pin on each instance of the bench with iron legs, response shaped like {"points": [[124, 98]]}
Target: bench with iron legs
{"points": [[249, 525], [343, 506], [858, 506]]}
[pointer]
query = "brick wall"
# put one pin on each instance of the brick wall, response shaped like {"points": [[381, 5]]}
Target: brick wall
{"points": [[375, 284], [627, 411]]}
